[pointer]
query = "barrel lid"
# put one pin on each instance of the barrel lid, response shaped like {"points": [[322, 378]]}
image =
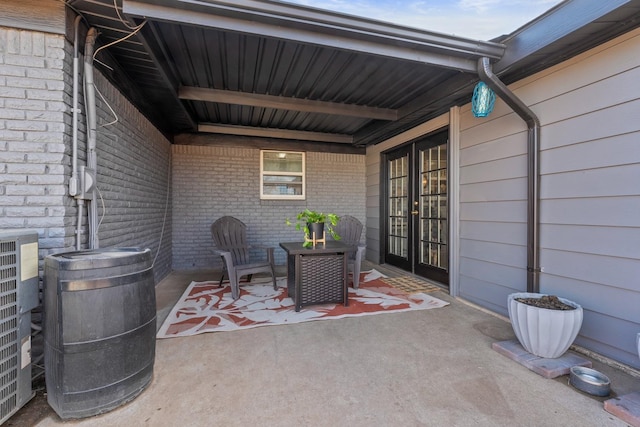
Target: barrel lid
{"points": [[92, 254]]}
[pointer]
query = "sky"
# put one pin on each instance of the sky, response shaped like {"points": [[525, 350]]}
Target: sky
{"points": [[475, 19]]}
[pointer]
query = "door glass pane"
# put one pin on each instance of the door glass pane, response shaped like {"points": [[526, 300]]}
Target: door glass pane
{"points": [[434, 225], [434, 188], [398, 222], [444, 211]]}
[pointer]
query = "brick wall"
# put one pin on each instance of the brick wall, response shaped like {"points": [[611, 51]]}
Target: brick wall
{"points": [[210, 182], [35, 154], [133, 175], [34, 137]]}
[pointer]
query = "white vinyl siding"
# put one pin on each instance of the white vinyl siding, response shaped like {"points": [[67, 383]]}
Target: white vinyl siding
{"points": [[590, 195]]}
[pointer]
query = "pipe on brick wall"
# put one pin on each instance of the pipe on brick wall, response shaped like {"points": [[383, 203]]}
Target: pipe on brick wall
{"points": [[73, 182], [90, 106]]}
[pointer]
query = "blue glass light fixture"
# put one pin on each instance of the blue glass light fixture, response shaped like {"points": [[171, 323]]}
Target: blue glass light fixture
{"points": [[482, 100]]}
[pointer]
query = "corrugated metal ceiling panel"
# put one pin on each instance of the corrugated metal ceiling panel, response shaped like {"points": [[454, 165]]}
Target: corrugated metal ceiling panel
{"points": [[259, 65], [165, 56], [236, 62]]}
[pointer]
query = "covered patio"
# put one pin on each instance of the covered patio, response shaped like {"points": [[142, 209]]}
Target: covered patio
{"points": [[433, 367], [189, 96]]}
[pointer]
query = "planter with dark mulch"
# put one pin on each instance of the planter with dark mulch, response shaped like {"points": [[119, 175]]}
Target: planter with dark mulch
{"points": [[545, 325], [551, 302]]}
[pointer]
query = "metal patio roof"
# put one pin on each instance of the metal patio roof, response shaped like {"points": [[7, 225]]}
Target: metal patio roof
{"points": [[274, 72]]}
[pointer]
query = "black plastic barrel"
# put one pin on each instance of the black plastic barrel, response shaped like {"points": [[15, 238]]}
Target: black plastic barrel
{"points": [[99, 329]]}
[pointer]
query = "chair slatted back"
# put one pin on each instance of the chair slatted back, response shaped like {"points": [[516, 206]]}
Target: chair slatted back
{"points": [[230, 234], [349, 229]]}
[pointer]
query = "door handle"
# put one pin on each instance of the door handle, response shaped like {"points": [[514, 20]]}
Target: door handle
{"points": [[415, 212]]}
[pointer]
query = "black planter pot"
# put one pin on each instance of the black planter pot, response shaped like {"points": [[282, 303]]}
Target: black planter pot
{"points": [[317, 228]]}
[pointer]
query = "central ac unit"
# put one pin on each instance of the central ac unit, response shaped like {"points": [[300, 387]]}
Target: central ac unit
{"points": [[18, 296]]}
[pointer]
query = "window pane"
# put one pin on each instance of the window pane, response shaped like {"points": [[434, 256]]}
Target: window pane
{"points": [[280, 189], [282, 175], [283, 179], [282, 162]]}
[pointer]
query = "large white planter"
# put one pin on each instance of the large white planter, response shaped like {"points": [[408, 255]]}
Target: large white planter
{"points": [[544, 332]]}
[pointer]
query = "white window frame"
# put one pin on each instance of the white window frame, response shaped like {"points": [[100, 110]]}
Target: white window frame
{"points": [[264, 173]]}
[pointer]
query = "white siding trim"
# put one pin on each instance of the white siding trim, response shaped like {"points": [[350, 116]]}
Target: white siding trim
{"points": [[590, 199], [454, 201]]}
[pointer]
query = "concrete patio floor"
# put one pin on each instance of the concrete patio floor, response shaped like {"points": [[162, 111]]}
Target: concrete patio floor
{"points": [[433, 368]]}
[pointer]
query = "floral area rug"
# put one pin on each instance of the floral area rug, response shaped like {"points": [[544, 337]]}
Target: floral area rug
{"points": [[206, 307]]}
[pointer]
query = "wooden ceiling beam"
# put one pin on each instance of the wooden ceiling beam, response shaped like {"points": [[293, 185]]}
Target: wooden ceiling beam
{"points": [[275, 133], [219, 140], [285, 103]]}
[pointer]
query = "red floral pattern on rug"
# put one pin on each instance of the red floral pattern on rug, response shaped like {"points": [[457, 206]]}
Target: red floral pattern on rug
{"points": [[206, 307]]}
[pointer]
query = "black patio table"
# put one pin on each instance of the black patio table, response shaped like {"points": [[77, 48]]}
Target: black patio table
{"points": [[317, 275]]}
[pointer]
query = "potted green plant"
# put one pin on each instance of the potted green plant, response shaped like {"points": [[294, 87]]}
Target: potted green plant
{"points": [[307, 221]]}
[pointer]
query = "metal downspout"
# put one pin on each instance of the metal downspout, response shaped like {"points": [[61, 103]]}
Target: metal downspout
{"points": [[533, 169]]}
